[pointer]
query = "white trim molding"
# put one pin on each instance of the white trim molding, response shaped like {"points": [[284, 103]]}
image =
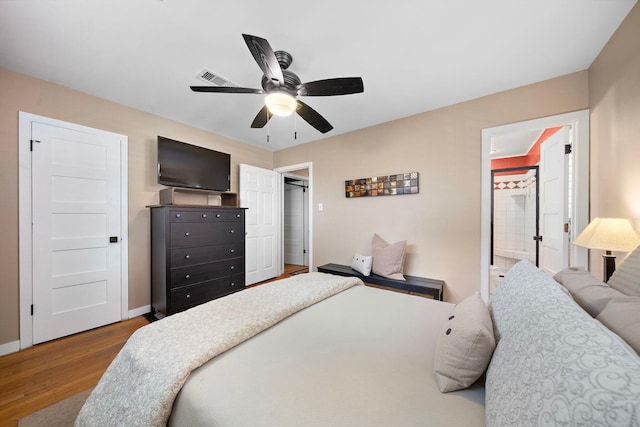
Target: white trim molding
{"points": [[10, 347], [140, 311]]}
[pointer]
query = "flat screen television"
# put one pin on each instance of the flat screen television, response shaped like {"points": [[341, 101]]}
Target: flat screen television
{"points": [[185, 165]]}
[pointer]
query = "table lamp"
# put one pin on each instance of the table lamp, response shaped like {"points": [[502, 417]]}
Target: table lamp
{"points": [[609, 234]]}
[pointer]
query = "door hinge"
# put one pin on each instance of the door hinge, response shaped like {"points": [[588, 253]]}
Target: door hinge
{"points": [[537, 238], [31, 141], [304, 251], [32, 309], [567, 149]]}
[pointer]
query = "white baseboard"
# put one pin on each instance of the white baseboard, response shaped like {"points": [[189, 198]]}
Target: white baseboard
{"points": [[10, 347], [139, 311]]}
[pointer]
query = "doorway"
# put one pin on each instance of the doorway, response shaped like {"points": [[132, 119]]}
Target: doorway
{"points": [[579, 174], [296, 224], [300, 174]]}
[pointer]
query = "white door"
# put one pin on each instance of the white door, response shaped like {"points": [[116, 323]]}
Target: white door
{"points": [[259, 194], [554, 248], [294, 249], [76, 216]]}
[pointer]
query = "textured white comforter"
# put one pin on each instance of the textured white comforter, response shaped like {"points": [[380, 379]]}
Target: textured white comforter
{"points": [[139, 387]]}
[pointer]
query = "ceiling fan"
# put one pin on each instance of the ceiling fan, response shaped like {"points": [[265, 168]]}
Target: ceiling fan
{"points": [[283, 87]]}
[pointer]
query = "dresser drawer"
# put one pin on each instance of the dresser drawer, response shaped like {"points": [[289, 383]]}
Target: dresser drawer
{"points": [[189, 216], [177, 215], [201, 234], [226, 215], [183, 276], [189, 296], [202, 254]]}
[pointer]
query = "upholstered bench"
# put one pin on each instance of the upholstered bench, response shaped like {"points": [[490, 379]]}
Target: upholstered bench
{"points": [[412, 284]]}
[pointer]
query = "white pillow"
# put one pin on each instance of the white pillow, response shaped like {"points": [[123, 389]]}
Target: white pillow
{"points": [[464, 346], [362, 263]]}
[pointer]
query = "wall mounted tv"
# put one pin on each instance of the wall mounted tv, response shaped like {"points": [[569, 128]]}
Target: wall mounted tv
{"points": [[189, 166]]}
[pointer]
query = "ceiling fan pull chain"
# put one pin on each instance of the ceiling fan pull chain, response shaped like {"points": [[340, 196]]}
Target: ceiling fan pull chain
{"points": [[295, 127], [268, 126]]}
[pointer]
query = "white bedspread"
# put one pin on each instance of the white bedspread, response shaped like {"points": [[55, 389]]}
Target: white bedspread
{"points": [[140, 385], [362, 358]]}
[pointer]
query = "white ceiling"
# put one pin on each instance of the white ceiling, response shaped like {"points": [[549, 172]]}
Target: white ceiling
{"points": [[413, 55], [514, 144]]}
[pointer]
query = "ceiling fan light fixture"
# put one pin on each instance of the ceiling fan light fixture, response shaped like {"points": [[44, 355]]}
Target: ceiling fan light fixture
{"points": [[280, 103]]}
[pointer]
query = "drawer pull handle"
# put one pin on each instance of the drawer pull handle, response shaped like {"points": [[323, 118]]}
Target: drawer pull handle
{"points": [[217, 215], [187, 276], [233, 267], [233, 283], [187, 256], [232, 231], [187, 234], [188, 295], [204, 215], [237, 215], [178, 215], [233, 251]]}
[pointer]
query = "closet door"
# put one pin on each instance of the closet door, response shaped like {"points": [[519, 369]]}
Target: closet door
{"points": [[259, 194]]}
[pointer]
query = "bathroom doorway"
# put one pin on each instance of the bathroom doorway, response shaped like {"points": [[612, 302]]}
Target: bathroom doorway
{"points": [[578, 197]]}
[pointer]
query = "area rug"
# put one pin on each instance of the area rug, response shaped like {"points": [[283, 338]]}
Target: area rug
{"points": [[60, 414]]}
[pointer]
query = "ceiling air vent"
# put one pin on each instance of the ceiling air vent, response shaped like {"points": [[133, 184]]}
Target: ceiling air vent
{"points": [[214, 78]]}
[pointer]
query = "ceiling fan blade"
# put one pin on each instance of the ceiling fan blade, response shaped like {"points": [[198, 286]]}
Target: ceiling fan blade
{"points": [[225, 89], [330, 87], [314, 118], [261, 118], [264, 56]]}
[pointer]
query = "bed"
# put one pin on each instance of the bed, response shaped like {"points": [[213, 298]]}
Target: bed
{"points": [[359, 357], [363, 357]]}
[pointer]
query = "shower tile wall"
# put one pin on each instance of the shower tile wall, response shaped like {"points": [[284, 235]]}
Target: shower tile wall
{"points": [[514, 220]]}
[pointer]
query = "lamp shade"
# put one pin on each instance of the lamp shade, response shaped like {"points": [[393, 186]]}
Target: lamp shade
{"points": [[609, 234], [280, 103]]}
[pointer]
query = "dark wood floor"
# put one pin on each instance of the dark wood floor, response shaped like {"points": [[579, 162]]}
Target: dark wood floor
{"points": [[47, 373]]}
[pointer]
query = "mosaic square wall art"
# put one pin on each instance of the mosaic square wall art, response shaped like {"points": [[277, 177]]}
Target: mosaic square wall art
{"points": [[389, 185]]}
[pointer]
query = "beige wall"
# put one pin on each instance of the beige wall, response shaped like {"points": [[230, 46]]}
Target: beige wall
{"points": [[614, 100], [442, 223], [22, 93]]}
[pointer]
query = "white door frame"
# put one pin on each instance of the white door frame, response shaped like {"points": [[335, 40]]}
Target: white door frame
{"points": [[25, 121], [579, 120], [281, 171]]}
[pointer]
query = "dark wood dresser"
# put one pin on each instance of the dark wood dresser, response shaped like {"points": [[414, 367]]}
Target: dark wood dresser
{"points": [[197, 254]]}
